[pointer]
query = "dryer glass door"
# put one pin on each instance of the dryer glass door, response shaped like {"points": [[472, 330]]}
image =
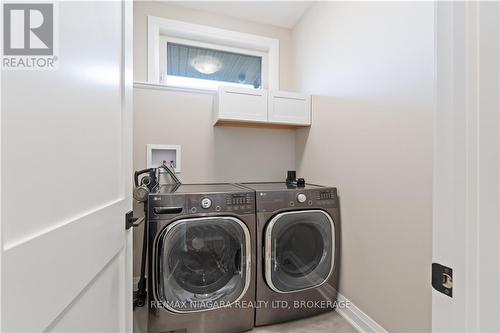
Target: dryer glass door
{"points": [[202, 263], [299, 250]]}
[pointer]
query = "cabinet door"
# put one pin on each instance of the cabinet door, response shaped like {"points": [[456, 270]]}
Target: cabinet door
{"points": [[240, 104], [289, 108]]}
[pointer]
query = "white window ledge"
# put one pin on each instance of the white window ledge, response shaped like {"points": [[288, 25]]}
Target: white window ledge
{"points": [[157, 86]]}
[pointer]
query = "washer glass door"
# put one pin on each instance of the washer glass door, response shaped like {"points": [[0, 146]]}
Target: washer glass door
{"points": [[202, 263], [299, 250]]}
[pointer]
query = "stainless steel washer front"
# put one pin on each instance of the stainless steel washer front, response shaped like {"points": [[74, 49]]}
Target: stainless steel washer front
{"points": [[202, 264], [201, 259]]}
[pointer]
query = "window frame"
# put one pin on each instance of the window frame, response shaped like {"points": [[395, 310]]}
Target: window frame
{"points": [[161, 30], [164, 40]]}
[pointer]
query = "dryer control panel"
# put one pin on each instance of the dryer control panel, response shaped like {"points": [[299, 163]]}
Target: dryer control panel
{"points": [[268, 201]]}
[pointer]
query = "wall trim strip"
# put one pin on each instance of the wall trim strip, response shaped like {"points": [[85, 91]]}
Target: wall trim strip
{"points": [[357, 318]]}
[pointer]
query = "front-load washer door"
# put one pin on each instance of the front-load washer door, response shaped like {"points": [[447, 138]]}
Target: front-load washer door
{"points": [[299, 250], [202, 263]]}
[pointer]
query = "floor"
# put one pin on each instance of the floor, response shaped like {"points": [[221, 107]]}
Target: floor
{"points": [[328, 322]]}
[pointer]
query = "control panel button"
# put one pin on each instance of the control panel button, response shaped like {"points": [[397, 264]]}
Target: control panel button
{"points": [[206, 203], [301, 197]]}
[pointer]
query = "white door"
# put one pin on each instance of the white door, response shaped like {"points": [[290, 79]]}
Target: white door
{"points": [[66, 170], [466, 226]]}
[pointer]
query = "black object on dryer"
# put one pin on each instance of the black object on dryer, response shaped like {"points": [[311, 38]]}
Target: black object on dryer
{"points": [[291, 177], [292, 181]]}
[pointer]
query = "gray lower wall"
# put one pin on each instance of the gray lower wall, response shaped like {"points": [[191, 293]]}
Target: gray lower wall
{"points": [[209, 154]]}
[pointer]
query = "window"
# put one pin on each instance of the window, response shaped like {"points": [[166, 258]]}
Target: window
{"points": [[188, 55], [187, 63]]}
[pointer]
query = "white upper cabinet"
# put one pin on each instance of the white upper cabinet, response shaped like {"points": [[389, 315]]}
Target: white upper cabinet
{"points": [[289, 108], [234, 104], [240, 104]]}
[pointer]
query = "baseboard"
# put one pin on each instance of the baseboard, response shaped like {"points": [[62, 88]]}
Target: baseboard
{"points": [[357, 318]]}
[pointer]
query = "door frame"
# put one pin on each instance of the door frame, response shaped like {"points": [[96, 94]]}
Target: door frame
{"points": [[466, 203], [1, 214], [127, 102]]}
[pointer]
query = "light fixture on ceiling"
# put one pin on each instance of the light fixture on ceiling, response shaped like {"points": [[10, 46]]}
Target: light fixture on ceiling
{"points": [[206, 64]]}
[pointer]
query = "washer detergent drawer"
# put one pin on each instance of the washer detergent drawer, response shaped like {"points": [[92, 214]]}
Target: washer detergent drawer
{"points": [[165, 207], [299, 250], [202, 263]]}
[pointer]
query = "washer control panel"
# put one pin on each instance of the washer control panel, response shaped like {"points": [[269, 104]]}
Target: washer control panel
{"points": [[167, 206], [239, 199], [239, 203]]}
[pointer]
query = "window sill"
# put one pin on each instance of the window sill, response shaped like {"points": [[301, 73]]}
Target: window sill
{"points": [[156, 86]]}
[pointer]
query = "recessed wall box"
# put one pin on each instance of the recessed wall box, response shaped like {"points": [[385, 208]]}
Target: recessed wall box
{"points": [[157, 153]]}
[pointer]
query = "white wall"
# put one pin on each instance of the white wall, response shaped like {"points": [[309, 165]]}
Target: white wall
{"points": [[168, 10], [372, 138], [209, 154]]}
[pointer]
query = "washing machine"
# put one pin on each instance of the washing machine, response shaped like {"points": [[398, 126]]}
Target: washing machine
{"points": [[298, 245], [201, 258]]}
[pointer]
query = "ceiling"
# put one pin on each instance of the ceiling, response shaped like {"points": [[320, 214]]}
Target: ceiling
{"points": [[283, 14]]}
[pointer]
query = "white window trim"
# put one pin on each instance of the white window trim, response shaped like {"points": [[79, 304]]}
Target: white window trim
{"points": [[158, 27]]}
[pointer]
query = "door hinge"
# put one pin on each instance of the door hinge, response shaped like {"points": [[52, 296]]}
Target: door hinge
{"points": [[442, 279], [131, 221]]}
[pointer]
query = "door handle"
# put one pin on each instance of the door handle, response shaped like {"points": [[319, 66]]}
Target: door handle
{"points": [[447, 281], [442, 279], [131, 221]]}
